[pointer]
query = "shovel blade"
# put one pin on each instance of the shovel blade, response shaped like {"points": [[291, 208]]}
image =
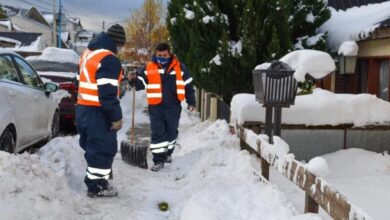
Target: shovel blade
{"points": [[134, 154]]}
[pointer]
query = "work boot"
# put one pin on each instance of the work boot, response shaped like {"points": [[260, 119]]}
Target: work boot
{"points": [[157, 167], [168, 159], [110, 191]]}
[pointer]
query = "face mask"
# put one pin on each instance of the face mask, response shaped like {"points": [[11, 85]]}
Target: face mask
{"points": [[162, 60]]}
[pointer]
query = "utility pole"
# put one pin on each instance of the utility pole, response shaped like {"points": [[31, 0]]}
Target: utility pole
{"points": [[54, 25], [103, 25], [59, 28]]}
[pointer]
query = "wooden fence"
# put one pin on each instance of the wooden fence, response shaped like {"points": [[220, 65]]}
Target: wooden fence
{"points": [[317, 191], [211, 107]]}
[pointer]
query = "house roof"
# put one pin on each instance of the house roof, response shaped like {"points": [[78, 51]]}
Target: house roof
{"points": [[23, 37], [345, 4], [35, 14], [356, 23]]}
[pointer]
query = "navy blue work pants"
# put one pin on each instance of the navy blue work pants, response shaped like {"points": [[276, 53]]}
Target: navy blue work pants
{"points": [[98, 141], [164, 123]]}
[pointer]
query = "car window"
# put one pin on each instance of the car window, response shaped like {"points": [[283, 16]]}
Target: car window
{"points": [[28, 74], [8, 70]]}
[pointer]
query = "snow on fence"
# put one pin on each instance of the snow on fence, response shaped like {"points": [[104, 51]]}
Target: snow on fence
{"points": [[317, 191]]}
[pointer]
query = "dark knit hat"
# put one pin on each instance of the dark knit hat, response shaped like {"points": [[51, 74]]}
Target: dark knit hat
{"points": [[117, 33]]}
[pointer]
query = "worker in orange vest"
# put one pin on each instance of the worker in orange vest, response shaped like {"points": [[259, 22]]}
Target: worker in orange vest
{"points": [[98, 111], [167, 83]]}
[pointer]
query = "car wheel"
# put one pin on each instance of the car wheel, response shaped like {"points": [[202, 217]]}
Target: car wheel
{"points": [[7, 141], [55, 125]]}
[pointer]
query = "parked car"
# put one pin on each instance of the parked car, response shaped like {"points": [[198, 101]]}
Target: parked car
{"points": [[60, 66], [28, 114]]}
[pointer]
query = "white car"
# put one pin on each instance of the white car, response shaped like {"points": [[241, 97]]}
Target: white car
{"points": [[28, 114]]}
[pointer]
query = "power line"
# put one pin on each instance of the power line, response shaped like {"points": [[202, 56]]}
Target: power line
{"points": [[34, 4]]}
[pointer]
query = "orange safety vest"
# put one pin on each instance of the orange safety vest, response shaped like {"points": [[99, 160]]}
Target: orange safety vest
{"points": [[88, 93], [154, 87]]}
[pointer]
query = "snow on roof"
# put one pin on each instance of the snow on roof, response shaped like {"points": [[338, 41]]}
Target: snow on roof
{"points": [[349, 48], [7, 24], [318, 64], [12, 41], [355, 23], [34, 46], [48, 18], [320, 108], [57, 55]]}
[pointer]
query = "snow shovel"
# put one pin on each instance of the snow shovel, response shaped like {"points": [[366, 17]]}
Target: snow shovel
{"points": [[131, 152]]}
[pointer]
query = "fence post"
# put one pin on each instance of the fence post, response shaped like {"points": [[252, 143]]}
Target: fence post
{"points": [[198, 93], [310, 205], [264, 168], [202, 107], [213, 108]]}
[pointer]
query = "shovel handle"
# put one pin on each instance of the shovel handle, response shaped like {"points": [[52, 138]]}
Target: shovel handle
{"points": [[133, 117]]}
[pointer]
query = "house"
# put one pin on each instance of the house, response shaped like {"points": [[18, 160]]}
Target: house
{"points": [[22, 42], [6, 25], [82, 39], [368, 23]]}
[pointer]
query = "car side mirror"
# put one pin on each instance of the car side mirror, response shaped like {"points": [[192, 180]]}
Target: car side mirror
{"points": [[50, 87]]}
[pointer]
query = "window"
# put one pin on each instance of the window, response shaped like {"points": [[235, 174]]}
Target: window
{"points": [[362, 74], [30, 77], [8, 70]]}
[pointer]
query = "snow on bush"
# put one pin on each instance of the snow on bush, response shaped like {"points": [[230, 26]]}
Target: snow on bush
{"points": [[57, 55], [318, 166], [318, 64], [320, 108], [190, 15], [349, 48]]}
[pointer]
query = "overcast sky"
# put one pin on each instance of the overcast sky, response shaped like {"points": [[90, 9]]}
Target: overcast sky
{"points": [[91, 12]]}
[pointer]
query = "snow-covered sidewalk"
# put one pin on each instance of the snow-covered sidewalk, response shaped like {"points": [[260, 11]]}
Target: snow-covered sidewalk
{"points": [[210, 178]]}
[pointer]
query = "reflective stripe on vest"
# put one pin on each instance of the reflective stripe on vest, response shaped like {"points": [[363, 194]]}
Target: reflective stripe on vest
{"points": [[154, 88], [88, 85]]}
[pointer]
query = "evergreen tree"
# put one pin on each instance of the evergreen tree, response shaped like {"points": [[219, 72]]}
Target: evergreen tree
{"points": [[3, 14], [195, 29], [266, 29], [306, 16]]}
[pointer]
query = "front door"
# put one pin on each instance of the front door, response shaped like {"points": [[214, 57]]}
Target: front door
{"points": [[384, 80]]}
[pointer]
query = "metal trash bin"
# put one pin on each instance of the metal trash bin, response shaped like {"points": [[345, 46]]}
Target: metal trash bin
{"points": [[275, 88]]}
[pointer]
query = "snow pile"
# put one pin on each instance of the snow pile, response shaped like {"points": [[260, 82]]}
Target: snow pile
{"points": [[222, 182], [57, 55], [355, 23], [320, 108], [318, 166], [349, 48], [28, 188], [318, 64]]}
